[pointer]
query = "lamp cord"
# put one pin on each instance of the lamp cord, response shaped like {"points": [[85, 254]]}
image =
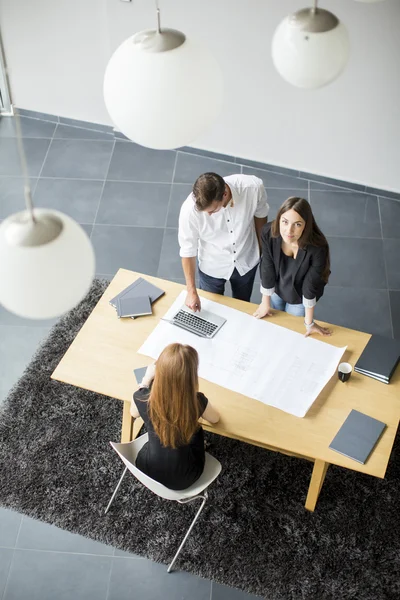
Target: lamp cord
{"points": [[315, 7], [24, 167], [20, 146], [158, 17]]}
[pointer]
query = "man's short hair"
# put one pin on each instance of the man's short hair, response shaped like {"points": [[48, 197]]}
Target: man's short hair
{"points": [[208, 188]]}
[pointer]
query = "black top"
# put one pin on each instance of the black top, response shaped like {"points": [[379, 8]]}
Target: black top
{"points": [[284, 285], [176, 468], [309, 265]]}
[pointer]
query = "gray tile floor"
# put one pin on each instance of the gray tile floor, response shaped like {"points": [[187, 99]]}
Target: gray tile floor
{"points": [[128, 198]]}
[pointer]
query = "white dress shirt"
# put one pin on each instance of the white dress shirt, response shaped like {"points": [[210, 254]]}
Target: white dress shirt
{"points": [[226, 239]]}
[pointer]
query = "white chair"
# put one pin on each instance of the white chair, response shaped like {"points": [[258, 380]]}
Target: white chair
{"points": [[212, 468]]}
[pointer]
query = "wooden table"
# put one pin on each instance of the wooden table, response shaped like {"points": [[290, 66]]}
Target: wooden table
{"points": [[104, 353]]}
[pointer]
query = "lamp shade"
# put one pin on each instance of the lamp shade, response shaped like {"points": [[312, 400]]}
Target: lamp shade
{"points": [[306, 58], [44, 280], [162, 99]]}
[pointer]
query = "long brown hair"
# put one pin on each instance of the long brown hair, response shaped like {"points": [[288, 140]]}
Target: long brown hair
{"points": [[173, 403], [312, 235]]}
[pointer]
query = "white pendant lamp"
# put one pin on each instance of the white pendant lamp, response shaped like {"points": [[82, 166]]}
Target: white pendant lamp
{"points": [[161, 89], [46, 259], [310, 48]]}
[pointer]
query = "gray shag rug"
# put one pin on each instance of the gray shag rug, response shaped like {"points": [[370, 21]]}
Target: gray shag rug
{"points": [[56, 465]]}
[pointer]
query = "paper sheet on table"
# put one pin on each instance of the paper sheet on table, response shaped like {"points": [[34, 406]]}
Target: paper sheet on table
{"points": [[256, 358]]}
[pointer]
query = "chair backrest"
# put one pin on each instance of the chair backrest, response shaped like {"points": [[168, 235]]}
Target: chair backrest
{"points": [[128, 453]]}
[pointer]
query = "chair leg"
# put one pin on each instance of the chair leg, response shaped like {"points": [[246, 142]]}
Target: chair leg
{"points": [[116, 490], [204, 498]]}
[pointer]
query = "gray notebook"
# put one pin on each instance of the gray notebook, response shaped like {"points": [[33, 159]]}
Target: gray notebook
{"points": [[140, 287], [139, 374], [133, 307], [357, 436]]}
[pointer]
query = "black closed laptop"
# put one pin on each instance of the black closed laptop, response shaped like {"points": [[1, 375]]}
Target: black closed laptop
{"points": [[379, 358]]}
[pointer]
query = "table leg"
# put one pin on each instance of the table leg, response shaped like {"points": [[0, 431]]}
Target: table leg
{"points": [[130, 427], [137, 426], [317, 479], [127, 423]]}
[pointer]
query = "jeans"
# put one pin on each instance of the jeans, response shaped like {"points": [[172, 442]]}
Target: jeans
{"points": [[297, 310], [242, 285]]}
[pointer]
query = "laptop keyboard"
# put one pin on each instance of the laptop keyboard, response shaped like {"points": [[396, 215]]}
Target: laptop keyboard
{"points": [[196, 323]]}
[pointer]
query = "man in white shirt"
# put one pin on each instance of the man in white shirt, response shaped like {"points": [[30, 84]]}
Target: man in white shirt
{"points": [[220, 223]]}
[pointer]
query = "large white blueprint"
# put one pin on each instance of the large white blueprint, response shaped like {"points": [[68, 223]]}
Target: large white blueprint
{"points": [[256, 358]]}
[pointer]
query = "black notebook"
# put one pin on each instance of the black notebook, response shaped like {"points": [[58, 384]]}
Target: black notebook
{"points": [[140, 287], [133, 307], [379, 358], [357, 436]]}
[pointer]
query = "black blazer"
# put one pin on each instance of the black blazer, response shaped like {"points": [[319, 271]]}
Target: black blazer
{"points": [[310, 264]]}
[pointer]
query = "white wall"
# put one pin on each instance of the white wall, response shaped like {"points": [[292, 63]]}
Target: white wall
{"points": [[57, 51]]}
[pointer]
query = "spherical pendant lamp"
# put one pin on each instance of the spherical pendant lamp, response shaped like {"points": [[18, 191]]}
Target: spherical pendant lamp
{"points": [[310, 48], [47, 264], [162, 89]]}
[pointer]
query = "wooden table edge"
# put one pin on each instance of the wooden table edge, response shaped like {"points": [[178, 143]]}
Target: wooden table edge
{"points": [[130, 429]]}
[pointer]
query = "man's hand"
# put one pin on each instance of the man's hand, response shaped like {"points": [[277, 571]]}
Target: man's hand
{"points": [[318, 329], [263, 311], [193, 301]]}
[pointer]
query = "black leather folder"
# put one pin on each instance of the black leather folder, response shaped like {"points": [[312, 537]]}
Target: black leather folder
{"points": [[379, 358]]}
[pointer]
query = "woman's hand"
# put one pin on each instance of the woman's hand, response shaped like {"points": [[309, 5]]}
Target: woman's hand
{"points": [[315, 328], [133, 410], [263, 311], [149, 375]]}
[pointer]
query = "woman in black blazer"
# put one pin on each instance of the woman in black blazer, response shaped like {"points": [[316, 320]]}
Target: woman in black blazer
{"points": [[295, 264]]}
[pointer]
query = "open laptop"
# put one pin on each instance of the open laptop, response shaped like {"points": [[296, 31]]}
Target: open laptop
{"points": [[204, 323]]}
